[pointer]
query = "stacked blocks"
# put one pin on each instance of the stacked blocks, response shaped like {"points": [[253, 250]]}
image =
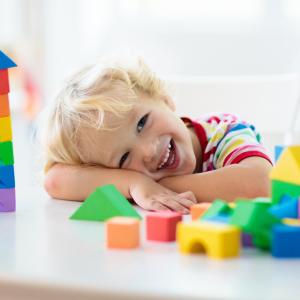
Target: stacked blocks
{"points": [[217, 240], [161, 226], [253, 218], [197, 210], [123, 233], [285, 175], [7, 177], [104, 203]]}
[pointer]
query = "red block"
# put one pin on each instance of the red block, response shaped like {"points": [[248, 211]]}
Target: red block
{"points": [[161, 226], [4, 84]]}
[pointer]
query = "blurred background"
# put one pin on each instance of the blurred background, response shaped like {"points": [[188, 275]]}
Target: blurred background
{"points": [[242, 56]]}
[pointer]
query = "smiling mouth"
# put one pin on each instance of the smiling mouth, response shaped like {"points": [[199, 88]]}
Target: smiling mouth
{"points": [[173, 158]]}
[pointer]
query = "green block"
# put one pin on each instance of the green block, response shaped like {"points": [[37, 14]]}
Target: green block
{"points": [[281, 188], [262, 239], [252, 216], [263, 200], [6, 153], [105, 202], [218, 207]]}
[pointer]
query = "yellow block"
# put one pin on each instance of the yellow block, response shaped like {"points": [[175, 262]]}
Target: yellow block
{"points": [[287, 168], [5, 129], [290, 221], [217, 240]]}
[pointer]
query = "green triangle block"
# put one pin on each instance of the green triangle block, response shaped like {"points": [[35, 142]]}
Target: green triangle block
{"points": [[105, 202], [218, 207]]}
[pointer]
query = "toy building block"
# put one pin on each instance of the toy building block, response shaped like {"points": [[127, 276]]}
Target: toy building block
{"points": [[263, 200], [280, 189], [5, 129], [217, 240], [254, 218], [4, 83], [5, 61], [231, 204], [291, 222], [104, 203], [217, 207], [285, 175], [286, 209], [197, 210], [4, 106], [7, 177], [247, 240], [161, 226], [6, 154], [122, 232], [278, 150], [285, 241], [7, 200], [218, 219]]}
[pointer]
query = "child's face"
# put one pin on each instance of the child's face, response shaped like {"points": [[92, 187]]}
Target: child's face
{"points": [[142, 141]]}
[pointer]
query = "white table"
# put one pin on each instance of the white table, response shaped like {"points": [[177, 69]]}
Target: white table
{"points": [[44, 255]]}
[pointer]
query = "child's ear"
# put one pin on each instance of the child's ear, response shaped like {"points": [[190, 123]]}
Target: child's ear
{"points": [[170, 103]]}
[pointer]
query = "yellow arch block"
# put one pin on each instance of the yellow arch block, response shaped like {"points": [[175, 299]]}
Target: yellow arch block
{"points": [[217, 240], [5, 129]]}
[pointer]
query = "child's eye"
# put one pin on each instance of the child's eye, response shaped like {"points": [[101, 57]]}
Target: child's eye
{"points": [[142, 122], [122, 160]]}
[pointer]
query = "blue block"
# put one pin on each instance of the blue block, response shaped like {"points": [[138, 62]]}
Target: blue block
{"points": [[218, 218], [286, 208], [285, 241], [7, 177], [278, 151]]}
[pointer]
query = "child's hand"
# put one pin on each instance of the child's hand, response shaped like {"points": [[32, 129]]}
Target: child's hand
{"points": [[151, 195]]}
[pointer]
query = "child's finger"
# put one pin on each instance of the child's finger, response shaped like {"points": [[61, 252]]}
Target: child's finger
{"points": [[175, 205], [185, 202], [157, 206], [189, 195]]}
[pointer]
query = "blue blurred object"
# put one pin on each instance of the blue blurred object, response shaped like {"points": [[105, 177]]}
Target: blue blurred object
{"points": [[285, 241], [278, 151]]}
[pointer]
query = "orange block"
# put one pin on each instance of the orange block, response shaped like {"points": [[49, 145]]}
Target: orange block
{"points": [[197, 210], [4, 106], [123, 232]]}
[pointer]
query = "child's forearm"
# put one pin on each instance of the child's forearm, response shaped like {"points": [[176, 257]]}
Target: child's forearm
{"points": [[227, 183], [77, 182]]}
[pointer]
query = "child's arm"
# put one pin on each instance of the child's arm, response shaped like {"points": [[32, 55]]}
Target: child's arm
{"points": [[248, 179], [77, 182]]}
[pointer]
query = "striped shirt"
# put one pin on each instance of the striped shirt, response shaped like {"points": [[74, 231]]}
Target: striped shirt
{"points": [[226, 140]]}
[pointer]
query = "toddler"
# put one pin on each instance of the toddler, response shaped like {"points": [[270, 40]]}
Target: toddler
{"points": [[115, 123]]}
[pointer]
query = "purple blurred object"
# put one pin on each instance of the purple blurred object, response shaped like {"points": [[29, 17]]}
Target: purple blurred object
{"points": [[7, 200], [247, 240]]}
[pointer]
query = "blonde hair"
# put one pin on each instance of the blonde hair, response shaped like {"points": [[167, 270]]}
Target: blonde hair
{"points": [[106, 87]]}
